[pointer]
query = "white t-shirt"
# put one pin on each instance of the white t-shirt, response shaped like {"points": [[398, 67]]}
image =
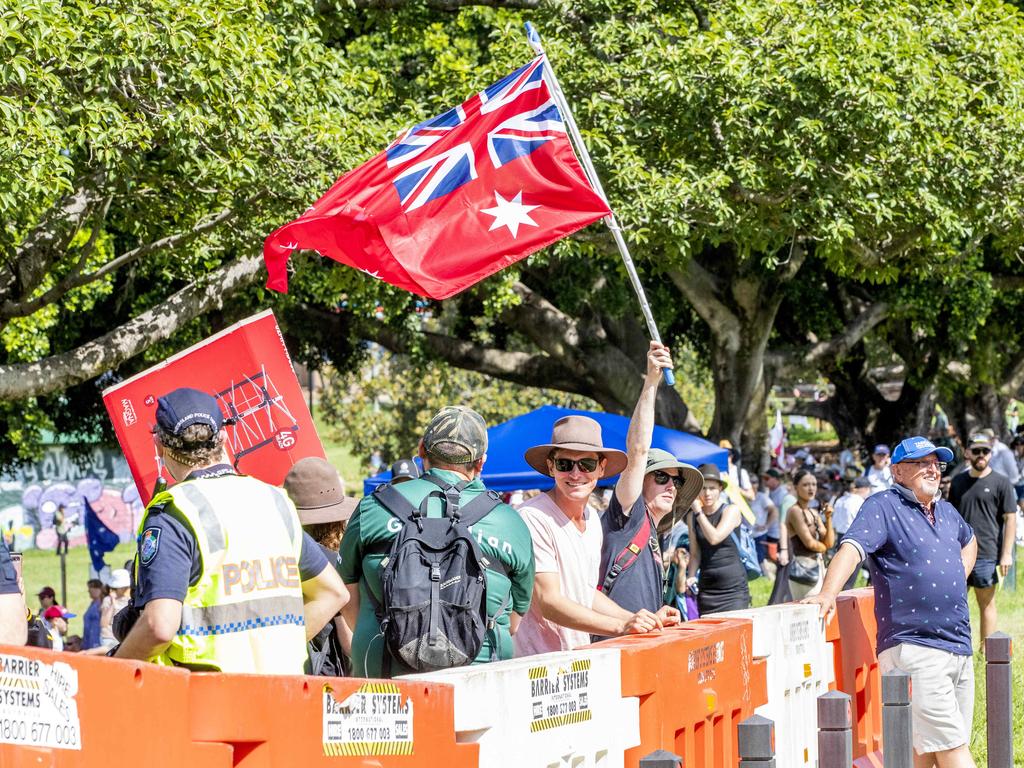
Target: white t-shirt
{"points": [[881, 479], [759, 506], [844, 510], [560, 547]]}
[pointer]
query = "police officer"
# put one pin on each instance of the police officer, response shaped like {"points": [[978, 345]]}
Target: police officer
{"points": [[226, 578]]}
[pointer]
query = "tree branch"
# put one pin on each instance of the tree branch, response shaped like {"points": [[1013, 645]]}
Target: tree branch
{"points": [[517, 367], [703, 22], [75, 279], [36, 252], [1007, 282], [787, 362], [700, 288], [58, 372]]}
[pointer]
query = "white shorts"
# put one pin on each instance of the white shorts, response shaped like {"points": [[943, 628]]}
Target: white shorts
{"points": [[942, 694]]}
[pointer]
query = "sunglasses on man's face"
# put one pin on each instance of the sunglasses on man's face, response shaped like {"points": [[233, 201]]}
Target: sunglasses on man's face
{"points": [[585, 465], [662, 478], [981, 451]]}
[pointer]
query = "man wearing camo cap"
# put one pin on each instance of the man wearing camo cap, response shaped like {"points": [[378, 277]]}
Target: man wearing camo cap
{"points": [[453, 450]]}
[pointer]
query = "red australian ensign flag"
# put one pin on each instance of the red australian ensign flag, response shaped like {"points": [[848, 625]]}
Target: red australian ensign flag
{"points": [[453, 199]]}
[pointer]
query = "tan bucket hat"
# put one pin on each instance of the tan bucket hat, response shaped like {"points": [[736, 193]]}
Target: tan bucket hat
{"points": [[317, 490], [575, 433]]}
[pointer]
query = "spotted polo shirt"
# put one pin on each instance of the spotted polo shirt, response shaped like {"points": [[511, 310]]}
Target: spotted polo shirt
{"points": [[920, 587]]}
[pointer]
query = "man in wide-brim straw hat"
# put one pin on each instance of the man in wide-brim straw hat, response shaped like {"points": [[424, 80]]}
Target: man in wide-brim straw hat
{"points": [[566, 531]]}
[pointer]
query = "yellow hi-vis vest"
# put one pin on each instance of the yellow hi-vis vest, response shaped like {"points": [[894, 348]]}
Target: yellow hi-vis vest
{"points": [[245, 614]]}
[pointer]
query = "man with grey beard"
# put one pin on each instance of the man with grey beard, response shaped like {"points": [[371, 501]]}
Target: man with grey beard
{"points": [[919, 551]]}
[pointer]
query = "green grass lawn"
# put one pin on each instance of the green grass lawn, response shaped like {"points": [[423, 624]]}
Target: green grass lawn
{"points": [[42, 569]]}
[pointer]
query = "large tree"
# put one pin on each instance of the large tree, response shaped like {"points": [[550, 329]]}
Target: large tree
{"points": [[746, 142], [740, 144]]}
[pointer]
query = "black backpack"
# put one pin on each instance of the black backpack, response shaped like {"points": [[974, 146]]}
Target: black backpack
{"points": [[326, 656], [433, 611]]}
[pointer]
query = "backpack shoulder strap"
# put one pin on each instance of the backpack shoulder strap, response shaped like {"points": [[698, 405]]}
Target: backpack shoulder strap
{"points": [[476, 510], [629, 555], [479, 507], [394, 502]]}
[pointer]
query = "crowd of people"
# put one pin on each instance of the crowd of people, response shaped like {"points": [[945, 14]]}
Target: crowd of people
{"points": [[434, 570]]}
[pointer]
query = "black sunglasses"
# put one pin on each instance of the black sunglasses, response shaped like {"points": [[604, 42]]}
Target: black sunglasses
{"points": [[981, 451], [585, 465], [661, 478]]}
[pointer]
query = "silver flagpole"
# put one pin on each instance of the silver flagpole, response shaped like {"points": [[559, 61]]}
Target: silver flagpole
{"points": [[588, 168]]}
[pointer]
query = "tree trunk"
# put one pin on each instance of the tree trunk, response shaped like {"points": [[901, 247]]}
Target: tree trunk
{"points": [[738, 299], [60, 371]]}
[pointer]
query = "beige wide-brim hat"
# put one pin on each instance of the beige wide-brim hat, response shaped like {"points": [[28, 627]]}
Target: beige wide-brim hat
{"points": [[318, 492], [575, 433]]}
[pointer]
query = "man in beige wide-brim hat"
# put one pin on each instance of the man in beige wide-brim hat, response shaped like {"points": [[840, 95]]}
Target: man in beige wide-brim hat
{"points": [[566, 531]]}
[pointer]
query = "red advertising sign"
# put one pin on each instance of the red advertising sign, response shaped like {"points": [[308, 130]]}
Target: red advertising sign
{"points": [[248, 369]]}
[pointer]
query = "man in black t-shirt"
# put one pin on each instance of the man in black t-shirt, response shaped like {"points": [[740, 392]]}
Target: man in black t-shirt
{"points": [[986, 499], [631, 564]]}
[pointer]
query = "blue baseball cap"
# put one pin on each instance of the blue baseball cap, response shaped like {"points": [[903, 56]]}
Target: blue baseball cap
{"points": [[184, 407], [919, 447], [881, 448]]}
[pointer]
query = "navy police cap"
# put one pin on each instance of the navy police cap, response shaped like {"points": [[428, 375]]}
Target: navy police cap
{"points": [[184, 407]]}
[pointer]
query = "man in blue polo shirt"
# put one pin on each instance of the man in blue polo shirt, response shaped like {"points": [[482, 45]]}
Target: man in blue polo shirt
{"points": [[919, 551]]}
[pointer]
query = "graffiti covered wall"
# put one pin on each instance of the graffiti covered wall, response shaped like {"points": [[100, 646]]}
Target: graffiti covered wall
{"points": [[30, 496]]}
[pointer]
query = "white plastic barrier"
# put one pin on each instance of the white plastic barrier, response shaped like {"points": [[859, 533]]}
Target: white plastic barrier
{"points": [[555, 710], [792, 638]]}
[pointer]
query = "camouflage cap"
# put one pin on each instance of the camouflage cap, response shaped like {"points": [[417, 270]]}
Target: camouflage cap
{"points": [[456, 435]]}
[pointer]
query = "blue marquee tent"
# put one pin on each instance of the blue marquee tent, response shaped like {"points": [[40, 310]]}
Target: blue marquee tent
{"points": [[506, 470]]}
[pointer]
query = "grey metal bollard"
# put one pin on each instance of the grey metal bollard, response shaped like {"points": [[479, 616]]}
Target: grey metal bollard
{"points": [[835, 730], [897, 728], [999, 703], [661, 759], [756, 738]]}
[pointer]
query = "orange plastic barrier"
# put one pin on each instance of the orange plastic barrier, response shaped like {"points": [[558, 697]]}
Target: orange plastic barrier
{"points": [[64, 709], [695, 682], [269, 722], [857, 672]]}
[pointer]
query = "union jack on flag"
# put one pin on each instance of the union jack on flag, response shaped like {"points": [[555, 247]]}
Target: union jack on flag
{"points": [[454, 198], [518, 134]]}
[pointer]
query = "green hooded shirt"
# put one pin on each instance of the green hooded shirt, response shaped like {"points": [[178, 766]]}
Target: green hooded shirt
{"points": [[501, 535]]}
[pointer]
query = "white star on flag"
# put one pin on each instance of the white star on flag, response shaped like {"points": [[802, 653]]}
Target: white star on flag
{"points": [[510, 213]]}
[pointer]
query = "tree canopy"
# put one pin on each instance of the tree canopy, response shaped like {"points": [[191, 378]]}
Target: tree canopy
{"points": [[794, 177]]}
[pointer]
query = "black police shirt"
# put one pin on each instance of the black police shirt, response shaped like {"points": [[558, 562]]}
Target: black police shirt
{"points": [[170, 552], [8, 576]]}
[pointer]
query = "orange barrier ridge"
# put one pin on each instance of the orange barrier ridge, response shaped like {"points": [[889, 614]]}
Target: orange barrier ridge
{"points": [[696, 682], [834, 639], [857, 672], [66, 709], [272, 721]]}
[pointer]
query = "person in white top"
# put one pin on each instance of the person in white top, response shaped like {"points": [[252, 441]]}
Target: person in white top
{"points": [[879, 473], [739, 478], [567, 606]]}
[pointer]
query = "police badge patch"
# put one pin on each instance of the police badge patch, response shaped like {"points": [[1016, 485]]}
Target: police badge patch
{"points": [[149, 545]]}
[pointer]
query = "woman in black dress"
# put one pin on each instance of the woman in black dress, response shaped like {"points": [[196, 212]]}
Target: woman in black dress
{"points": [[722, 579]]}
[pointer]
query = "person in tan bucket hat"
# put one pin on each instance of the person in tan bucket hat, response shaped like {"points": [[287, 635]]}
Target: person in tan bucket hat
{"points": [[318, 492], [566, 531]]}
